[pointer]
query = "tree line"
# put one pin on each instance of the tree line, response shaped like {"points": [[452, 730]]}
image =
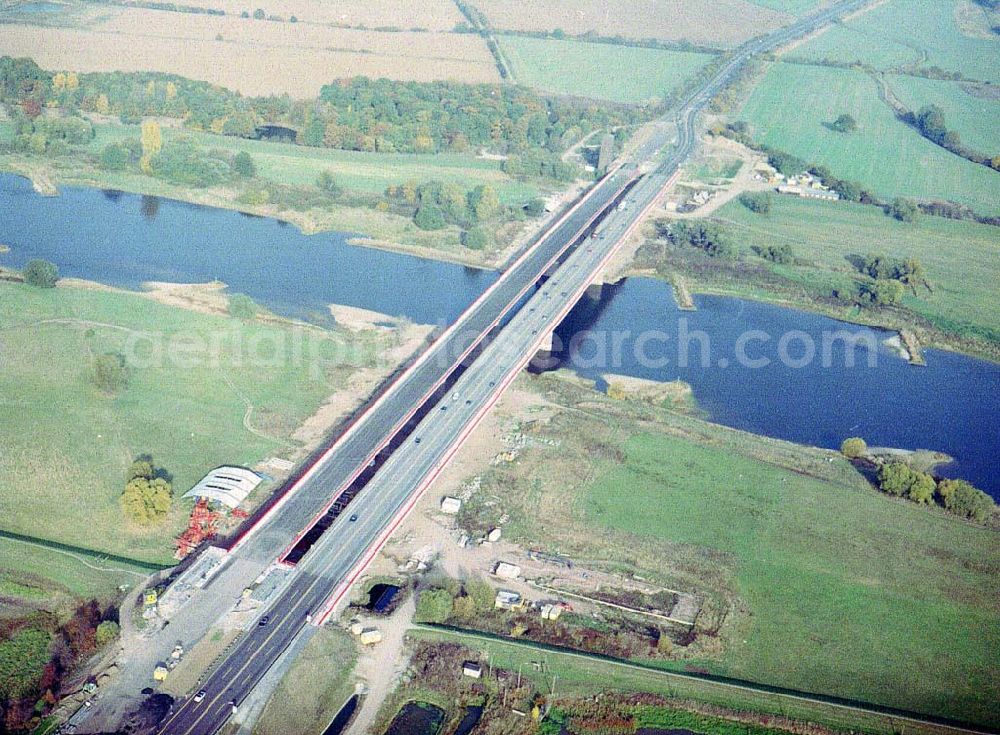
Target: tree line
{"points": [[930, 123], [359, 114]]}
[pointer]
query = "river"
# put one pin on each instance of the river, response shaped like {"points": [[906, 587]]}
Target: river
{"points": [[950, 405]]}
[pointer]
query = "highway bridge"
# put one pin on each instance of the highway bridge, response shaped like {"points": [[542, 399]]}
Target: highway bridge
{"points": [[431, 408]]}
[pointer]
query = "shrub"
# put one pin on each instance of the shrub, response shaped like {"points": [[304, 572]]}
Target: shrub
{"points": [[40, 273], [429, 217], [475, 239], [963, 499], [775, 253], [756, 201], [903, 210], [114, 157], [706, 236], [844, 124], [111, 373], [895, 478], [882, 292], [106, 632], [242, 306], [327, 182], [535, 207], [148, 495], [853, 447], [243, 165], [183, 163]]}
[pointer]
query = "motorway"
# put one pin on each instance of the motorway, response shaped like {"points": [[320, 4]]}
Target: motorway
{"points": [[326, 571]]}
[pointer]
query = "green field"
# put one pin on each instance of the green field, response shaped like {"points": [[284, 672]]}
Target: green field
{"points": [[580, 675], [962, 259], [67, 445], [599, 70], [975, 119], [906, 31], [77, 574], [850, 593], [295, 165], [315, 687], [788, 110], [811, 579]]}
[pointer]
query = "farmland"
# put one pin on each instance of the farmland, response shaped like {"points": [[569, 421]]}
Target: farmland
{"points": [[721, 23], [793, 7], [604, 71], [190, 417], [960, 257], [432, 15], [828, 586], [929, 37], [792, 102], [226, 50]]}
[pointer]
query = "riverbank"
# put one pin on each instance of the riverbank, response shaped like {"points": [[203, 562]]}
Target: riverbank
{"points": [[206, 400], [929, 336], [382, 229], [666, 499]]}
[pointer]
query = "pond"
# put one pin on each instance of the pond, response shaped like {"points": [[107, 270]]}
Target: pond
{"points": [[791, 374], [380, 597], [343, 718], [416, 718], [125, 239], [473, 713]]}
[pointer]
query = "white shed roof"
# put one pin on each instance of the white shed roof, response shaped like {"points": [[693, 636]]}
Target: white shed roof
{"points": [[227, 485]]}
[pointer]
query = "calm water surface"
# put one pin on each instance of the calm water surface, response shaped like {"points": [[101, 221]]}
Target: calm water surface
{"points": [[124, 239], [951, 405]]}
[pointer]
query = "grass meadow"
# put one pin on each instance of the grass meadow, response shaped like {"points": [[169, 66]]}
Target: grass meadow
{"points": [[907, 31], [960, 257], [295, 165], [315, 687], [599, 70], [849, 592], [788, 110], [814, 580], [67, 444], [33, 574], [581, 675]]}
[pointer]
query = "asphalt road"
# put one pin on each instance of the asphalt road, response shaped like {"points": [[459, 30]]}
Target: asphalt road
{"points": [[325, 569]]}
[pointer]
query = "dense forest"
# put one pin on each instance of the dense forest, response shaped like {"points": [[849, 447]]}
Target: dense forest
{"points": [[358, 114]]}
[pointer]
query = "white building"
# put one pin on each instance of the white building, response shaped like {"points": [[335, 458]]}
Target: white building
{"points": [[229, 486], [450, 505], [507, 571]]}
